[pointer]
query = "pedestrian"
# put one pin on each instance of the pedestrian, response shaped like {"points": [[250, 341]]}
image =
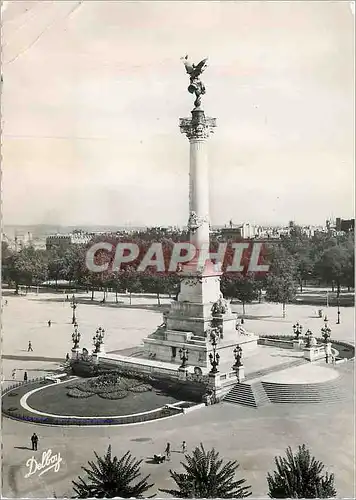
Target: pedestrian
{"points": [[49, 323], [13, 374], [242, 321], [29, 346], [67, 357], [67, 297], [168, 451], [25, 378], [5, 302], [184, 447], [34, 441]]}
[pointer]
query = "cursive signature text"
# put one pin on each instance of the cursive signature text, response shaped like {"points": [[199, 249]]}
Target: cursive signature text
{"points": [[47, 463]]}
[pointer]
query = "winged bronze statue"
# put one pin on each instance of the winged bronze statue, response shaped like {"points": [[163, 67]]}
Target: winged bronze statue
{"points": [[194, 71]]}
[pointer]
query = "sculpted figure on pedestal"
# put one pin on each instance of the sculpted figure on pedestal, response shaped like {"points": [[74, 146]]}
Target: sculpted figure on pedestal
{"points": [[196, 86], [221, 306], [195, 222]]}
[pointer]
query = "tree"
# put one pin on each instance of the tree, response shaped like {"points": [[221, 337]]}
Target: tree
{"points": [[55, 264], [130, 280], [27, 267], [281, 289], [73, 263], [6, 255], [112, 477], [207, 477], [153, 282], [305, 266], [281, 286], [332, 264], [244, 288], [300, 476]]}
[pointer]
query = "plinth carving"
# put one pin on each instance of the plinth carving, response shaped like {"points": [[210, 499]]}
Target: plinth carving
{"points": [[195, 221]]}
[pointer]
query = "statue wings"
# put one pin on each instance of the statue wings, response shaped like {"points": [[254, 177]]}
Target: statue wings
{"points": [[194, 70]]}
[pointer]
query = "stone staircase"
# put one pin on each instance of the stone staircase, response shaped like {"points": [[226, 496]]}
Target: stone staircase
{"points": [[331, 391], [252, 395], [258, 393]]}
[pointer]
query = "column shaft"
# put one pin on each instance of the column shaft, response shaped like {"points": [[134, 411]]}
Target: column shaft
{"points": [[199, 191]]}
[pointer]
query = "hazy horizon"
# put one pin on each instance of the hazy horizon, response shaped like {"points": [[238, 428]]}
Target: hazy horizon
{"points": [[93, 92]]}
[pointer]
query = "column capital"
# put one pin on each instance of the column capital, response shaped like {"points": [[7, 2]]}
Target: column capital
{"points": [[198, 126]]}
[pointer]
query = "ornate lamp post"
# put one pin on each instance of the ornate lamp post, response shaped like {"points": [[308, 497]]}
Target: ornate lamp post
{"points": [[326, 331], [75, 337], [98, 339], [338, 308], [238, 357], [309, 336], [74, 305], [297, 328], [183, 356], [214, 356]]}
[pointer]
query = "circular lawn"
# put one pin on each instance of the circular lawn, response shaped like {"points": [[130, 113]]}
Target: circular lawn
{"points": [[54, 399]]}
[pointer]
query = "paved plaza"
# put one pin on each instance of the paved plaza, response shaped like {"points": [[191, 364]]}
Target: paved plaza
{"points": [[251, 436]]}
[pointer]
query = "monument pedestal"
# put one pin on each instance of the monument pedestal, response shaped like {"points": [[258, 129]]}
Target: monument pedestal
{"points": [[313, 353], [240, 373], [75, 353]]}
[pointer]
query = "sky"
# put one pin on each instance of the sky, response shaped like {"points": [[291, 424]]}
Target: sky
{"points": [[93, 92]]}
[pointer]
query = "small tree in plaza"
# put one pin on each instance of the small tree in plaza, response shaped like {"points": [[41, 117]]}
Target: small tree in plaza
{"points": [[281, 284], [129, 279], [243, 288], [27, 267], [300, 475], [112, 477], [206, 476]]}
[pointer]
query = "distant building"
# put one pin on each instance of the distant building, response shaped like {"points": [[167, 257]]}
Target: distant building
{"points": [[64, 241], [344, 225], [239, 231]]}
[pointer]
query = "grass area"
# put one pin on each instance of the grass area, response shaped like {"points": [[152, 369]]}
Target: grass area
{"points": [[57, 402], [54, 399]]}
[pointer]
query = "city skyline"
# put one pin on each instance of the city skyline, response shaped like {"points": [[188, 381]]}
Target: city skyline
{"points": [[90, 130]]}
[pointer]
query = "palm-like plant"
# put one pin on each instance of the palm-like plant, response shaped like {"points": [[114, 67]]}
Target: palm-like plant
{"points": [[111, 477], [207, 477], [300, 476]]}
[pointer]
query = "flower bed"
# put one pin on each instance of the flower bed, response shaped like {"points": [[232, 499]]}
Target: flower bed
{"points": [[113, 385]]}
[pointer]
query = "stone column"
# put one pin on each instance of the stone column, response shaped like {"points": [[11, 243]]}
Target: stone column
{"points": [[197, 129]]}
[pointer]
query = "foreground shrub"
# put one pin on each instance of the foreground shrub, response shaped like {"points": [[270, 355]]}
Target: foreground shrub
{"points": [[300, 476], [207, 477], [111, 477]]}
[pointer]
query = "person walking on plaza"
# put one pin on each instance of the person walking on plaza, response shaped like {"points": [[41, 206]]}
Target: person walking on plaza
{"points": [[29, 346], [67, 357], [168, 451], [184, 447], [34, 441], [14, 374], [25, 377], [49, 323]]}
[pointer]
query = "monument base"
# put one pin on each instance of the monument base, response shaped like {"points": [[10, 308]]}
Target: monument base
{"points": [[164, 345]]}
